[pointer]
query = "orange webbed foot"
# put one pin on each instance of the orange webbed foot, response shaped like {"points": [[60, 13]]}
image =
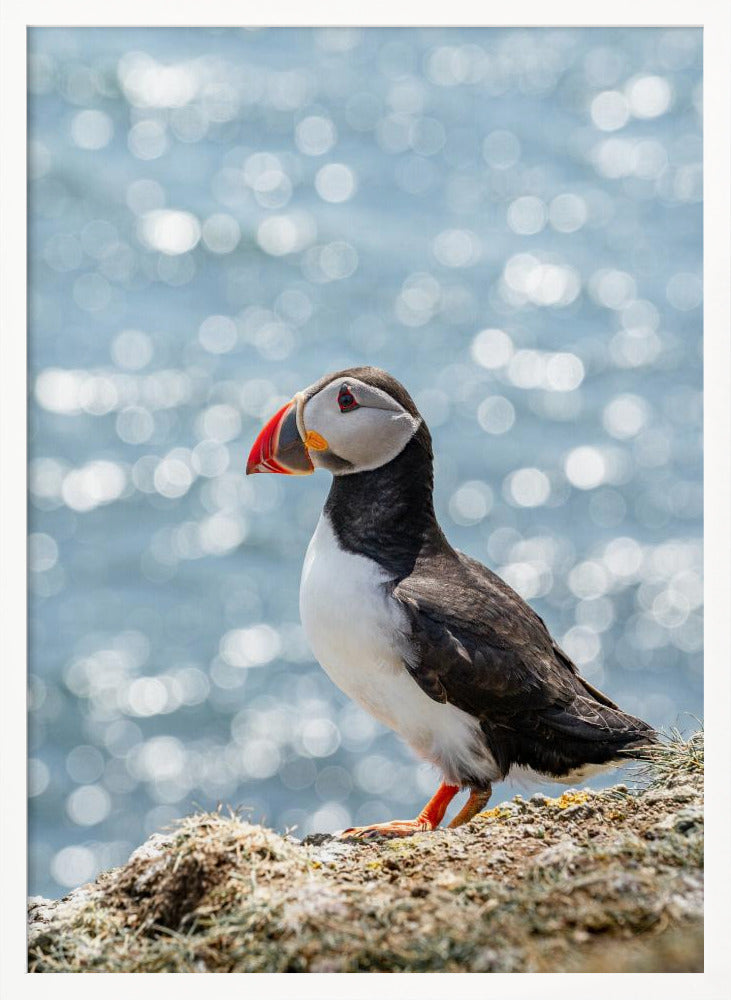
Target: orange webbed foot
{"points": [[428, 819], [395, 828]]}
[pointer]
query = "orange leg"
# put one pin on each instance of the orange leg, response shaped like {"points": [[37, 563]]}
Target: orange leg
{"points": [[428, 819], [476, 802]]}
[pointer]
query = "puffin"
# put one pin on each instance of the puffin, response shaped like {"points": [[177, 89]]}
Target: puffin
{"points": [[426, 639]]}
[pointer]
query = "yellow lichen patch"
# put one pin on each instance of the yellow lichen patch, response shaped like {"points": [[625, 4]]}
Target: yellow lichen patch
{"points": [[403, 845], [495, 813], [570, 799]]}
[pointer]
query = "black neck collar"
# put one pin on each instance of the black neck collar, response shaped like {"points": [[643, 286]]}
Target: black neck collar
{"points": [[387, 514]]}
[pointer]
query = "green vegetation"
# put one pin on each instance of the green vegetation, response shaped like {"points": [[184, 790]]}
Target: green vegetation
{"points": [[592, 881]]}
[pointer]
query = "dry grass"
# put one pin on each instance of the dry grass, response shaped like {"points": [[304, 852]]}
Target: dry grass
{"points": [[674, 754], [606, 881]]}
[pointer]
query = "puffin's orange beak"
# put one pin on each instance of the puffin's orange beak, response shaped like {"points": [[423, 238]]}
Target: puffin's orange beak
{"points": [[279, 446]]}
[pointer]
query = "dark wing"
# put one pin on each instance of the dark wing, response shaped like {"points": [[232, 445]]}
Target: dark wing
{"points": [[475, 643]]}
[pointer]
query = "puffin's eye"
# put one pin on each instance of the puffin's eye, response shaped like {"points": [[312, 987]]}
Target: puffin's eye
{"points": [[346, 399]]}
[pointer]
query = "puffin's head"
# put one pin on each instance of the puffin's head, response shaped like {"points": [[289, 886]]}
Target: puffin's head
{"points": [[350, 421]]}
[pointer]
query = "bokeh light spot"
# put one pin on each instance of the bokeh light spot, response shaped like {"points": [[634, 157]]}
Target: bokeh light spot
{"points": [[585, 467], [315, 135], [132, 349], [610, 110], [528, 487], [221, 233], [471, 503], [527, 215], [501, 149], [88, 805], [496, 414], [42, 552], [148, 139], [335, 182], [169, 231], [492, 348], [73, 865], [92, 129], [649, 96]]}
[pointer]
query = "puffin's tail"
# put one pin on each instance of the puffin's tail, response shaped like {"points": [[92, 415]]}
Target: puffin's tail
{"points": [[595, 717], [643, 748], [591, 722], [640, 743], [564, 739]]}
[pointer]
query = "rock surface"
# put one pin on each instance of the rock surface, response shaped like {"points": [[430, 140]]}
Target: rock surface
{"points": [[605, 881]]}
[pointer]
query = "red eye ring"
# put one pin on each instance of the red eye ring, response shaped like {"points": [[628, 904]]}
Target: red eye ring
{"points": [[346, 399]]}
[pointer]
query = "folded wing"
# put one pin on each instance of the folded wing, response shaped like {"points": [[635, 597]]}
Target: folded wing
{"points": [[474, 642]]}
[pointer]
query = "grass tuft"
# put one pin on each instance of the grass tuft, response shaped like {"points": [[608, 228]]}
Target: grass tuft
{"points": [[674, 758]]}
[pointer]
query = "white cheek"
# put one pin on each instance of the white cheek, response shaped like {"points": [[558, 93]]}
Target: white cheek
{"points": [[382, 439], [366, 438], [317, 415], [356, 434], [372, 437]]}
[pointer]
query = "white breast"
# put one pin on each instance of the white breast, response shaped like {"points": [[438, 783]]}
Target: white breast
{"points": [[355, 630]]}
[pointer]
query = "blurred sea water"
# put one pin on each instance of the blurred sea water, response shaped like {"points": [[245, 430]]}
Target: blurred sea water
{"points": [[510, 221]]}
